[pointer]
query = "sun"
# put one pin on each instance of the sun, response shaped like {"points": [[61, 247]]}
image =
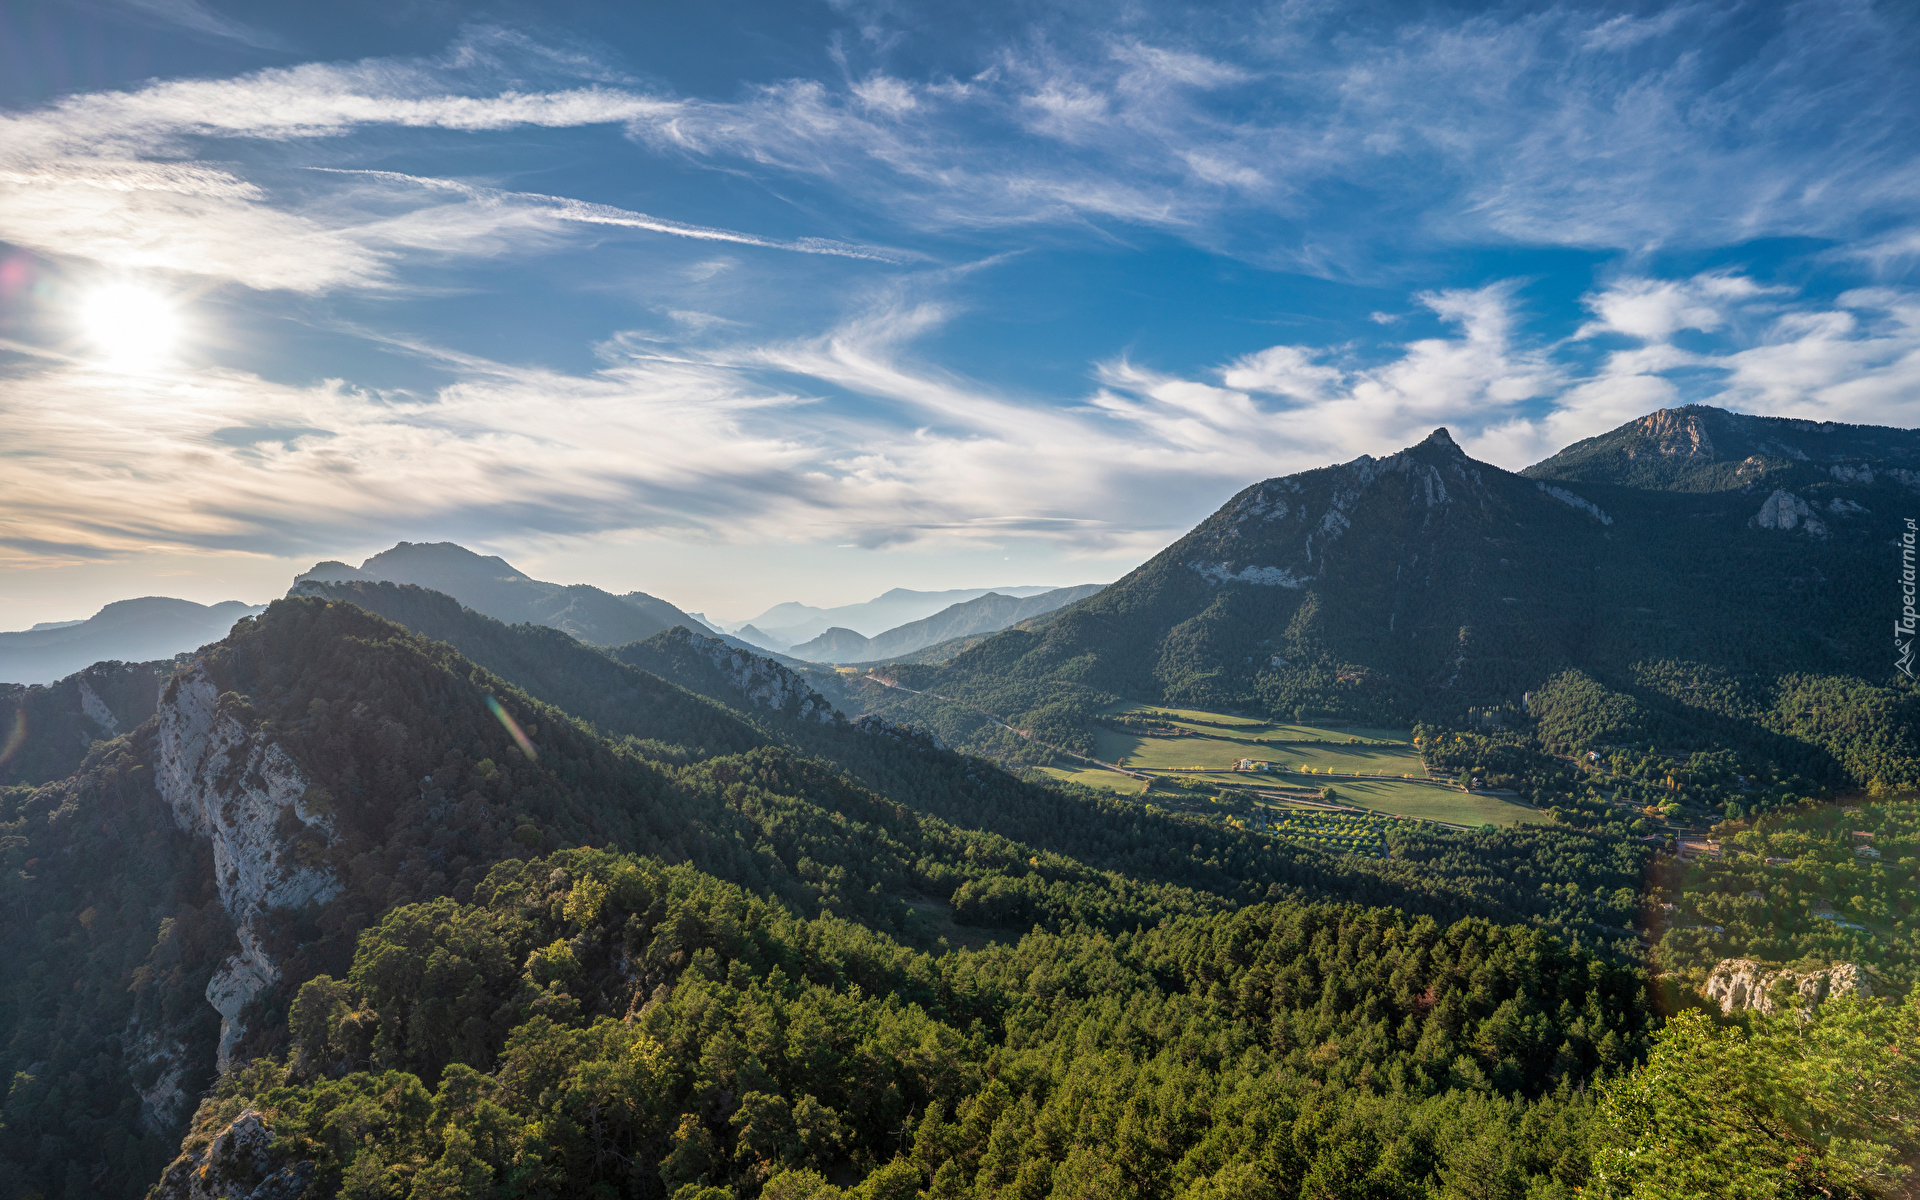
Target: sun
{"points": [[130, 325]]}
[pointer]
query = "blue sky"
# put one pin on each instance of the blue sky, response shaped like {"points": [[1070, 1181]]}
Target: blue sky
{"points": [[739, 303]]}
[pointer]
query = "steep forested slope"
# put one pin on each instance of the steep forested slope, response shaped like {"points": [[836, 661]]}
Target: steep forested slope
{"points": [[668, 1035]]}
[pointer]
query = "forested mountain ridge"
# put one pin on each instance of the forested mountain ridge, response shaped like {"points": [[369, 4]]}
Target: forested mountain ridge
{"points": [[47, 729], [1425, 584], [1700, 448], [1509, 875], [321, 765], [490, 584]]}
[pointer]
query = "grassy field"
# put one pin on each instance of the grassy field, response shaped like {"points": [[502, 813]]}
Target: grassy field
{"points": [[1302, 759], [1150, 753], [1405, 797], [1434, 803], [1222, 723], [1094, 777]]}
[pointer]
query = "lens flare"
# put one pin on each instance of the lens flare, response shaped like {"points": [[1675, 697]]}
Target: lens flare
{"points": [[513, 727], [17, 736], [130, 325]]}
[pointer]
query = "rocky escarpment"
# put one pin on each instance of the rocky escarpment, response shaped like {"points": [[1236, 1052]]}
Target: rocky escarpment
{"points": [[1784, 510], [236, 1163], [761, 682], [1741, 984], [242, 792]]}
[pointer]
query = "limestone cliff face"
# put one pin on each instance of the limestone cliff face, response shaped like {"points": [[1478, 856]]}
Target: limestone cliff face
{"points": [[1739, 984], [762, 682], [235, 788], [1672, 432], [1784, 510], [235, 1163]]}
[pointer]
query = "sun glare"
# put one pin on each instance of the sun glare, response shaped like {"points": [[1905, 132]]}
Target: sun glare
{"points": [[130, 325]]}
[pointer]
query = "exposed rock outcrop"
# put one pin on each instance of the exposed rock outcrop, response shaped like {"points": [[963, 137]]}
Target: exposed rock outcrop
{"points": [[236, 1164], [1429, 479], [236, 789], [1672, 432], [164, 1103], [762, 682], [1784, 510], [1580, 502], [1740, 984]]}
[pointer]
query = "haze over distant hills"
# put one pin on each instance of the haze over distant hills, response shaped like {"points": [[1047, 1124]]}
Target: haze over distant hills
{"points": [[489, 584], [791, 623], [988, 613], [150, 627]]}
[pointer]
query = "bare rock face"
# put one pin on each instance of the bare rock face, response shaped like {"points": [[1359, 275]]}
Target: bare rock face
{"points": [[1671, 433], [164, 1104], [762, 682], [1740, 984], [236, 789], [1784, 510], [237, 1164]]}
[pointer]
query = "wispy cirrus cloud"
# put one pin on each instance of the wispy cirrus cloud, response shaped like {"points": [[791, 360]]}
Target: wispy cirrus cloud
{"points": [[196, 17], [118, 177], [1291, 134], [518, 205], [1280, 136]]}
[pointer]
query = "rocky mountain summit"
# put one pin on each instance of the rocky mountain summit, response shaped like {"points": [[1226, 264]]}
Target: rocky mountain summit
{"points": [[1700, 448]]}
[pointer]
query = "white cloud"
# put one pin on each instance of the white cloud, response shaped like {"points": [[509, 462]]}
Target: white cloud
{"points": [[1283, 371], [493, 207], [198, 18], [1296, 136], [114, 177], [1656, 309]]}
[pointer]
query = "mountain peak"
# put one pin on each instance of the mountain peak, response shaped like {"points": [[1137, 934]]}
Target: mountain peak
{"points": [[1700, 448], [1440, 439]]}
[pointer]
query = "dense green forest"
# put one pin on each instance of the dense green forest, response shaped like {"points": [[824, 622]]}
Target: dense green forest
{"points": [[592, 1021]]}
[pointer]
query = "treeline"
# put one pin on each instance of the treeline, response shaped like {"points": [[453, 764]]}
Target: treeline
{"points": [[600, 1024]]}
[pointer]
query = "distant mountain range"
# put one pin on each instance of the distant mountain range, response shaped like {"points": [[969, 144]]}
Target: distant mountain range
{"points": [[1723, 579], [489, 584], [988, 613], [151, 627], [791, 623]]}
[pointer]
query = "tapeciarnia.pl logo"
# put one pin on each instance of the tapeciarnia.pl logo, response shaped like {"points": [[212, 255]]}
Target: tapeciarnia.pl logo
{"points": [[1903, 628]]}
